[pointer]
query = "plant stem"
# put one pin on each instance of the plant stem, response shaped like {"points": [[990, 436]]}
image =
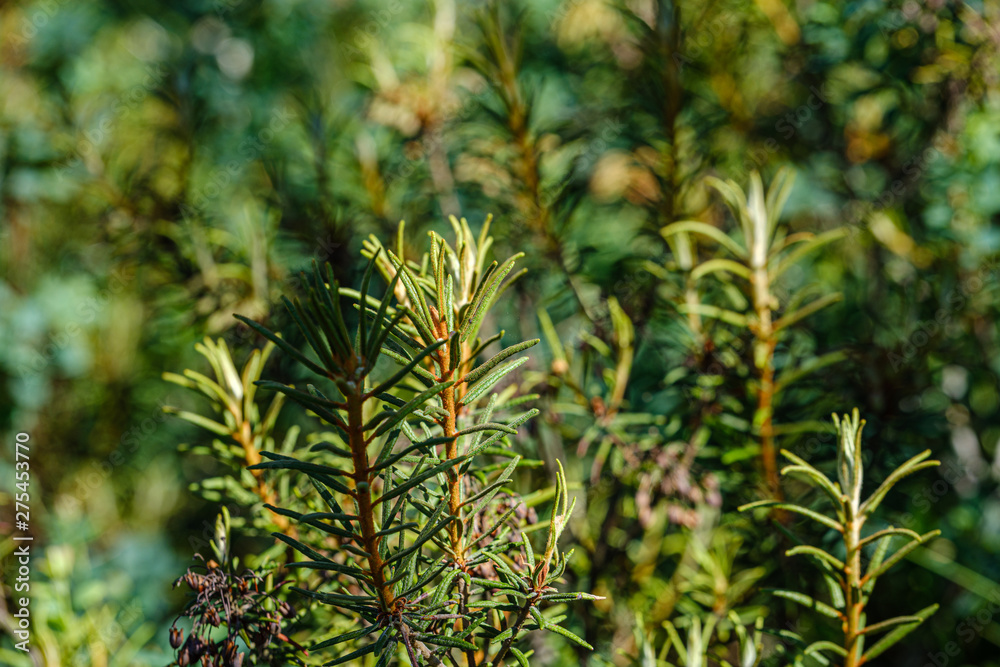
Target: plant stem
{"points": [[363, 495], [672, 102], [252, 457], [450, 404], [463, 596], [764, 362], [853, 625], [454, 479], [507, 643]]}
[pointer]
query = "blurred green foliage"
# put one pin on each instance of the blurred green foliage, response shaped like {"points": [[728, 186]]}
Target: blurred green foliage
{"points": [[164, 165]]}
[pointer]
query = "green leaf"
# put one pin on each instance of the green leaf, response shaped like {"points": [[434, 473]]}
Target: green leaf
{"points": [[529, 552], [392, 417], [884, 644], [888, 623], [288, 463], [331, 567], [445, 640], [716, 265], [676, 641], [381, 326], [444, 587], [489, 426], [251, 373], [477, 294], [328, 498], [789, 319], [817, 553], [822, 480], [729, 316], [513, 423], [503, 636], [400, 359], [449, 303], [805, 426], [706, 230], [383, 641], [212, 389], [432, 528], [310, 402], [760, 226], [454, 352], [418, 479], [777, 195], [810, 366], [420, 313], [283, 345], [339, 599], [325, 527], [801, 251], [353, 655], [321, 477], [198, 420], [559, 630], [570, 597], [815, 647], [386, 657], [737, 454], [474, 375], [308, 328], [339, 639], [880, 551], [836, 591], [403, 372], [736, 201], [483, 344], [330, 293], [507, 284], [487, 383], [809, 602], [874, 573], [389, 461], [430, 573], [815, 516], [301, 548], [889, 531], [180, 379], [480, 305], [908, 468], [362, 321], [502, 567], [487, 494]]}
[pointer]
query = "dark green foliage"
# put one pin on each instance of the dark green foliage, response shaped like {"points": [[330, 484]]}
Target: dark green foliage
{"points": [[164, 165], [403, 445], [850, 581]]}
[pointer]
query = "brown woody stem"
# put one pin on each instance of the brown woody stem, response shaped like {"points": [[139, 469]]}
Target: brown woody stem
{"points": [[853, 593], [764, 361], [363, 496], [449, 400], [252, 457]]}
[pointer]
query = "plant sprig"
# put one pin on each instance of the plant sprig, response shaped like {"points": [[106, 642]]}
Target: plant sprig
{"points": [[850, 583], [435, 558]]}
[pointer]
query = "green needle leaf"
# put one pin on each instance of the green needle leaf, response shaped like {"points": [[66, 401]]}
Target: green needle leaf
{"points": [[487, 383], [791, 507], [884, 644], [474, 375], [706, 230], [809, 602]]}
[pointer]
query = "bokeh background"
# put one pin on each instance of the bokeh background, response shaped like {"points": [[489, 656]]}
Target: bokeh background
{"points": [[164, 165]]}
